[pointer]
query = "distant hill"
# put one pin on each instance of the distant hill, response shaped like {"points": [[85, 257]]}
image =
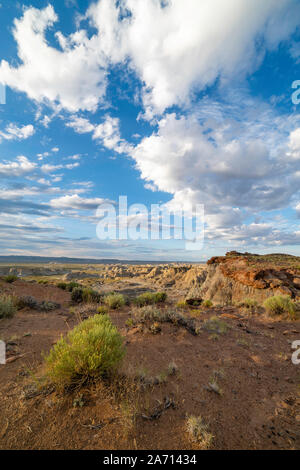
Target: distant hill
{"points": [[65, 260]]}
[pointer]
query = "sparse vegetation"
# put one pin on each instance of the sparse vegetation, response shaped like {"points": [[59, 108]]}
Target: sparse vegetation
{"points": [[7, 306], [114, 301], [149, 313], [242, 342], [71, 286], [99, 401], [62, 285], [76, 295], [86, 295], [90, 295], [198, 432], [150, 298], [213, 386], [102, 310], [93, 349], [160, 297], [10, 278], [152, 313], [172, 368], [47, 306], [215, 325], [280, 305], [249, 305], [27, 301], [155, 328], [129, 322]]}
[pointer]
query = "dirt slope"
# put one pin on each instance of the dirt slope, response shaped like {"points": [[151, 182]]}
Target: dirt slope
{"points": [[257, 405]]}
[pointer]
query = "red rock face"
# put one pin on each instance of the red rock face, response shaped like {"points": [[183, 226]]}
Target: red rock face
{"points": [[279, 272]]}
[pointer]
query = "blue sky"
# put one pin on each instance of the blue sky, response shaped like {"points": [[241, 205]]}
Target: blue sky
{"points": [[172, 103]]}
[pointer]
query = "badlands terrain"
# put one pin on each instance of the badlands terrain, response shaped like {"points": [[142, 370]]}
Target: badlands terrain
{"points": [[207, 361]]}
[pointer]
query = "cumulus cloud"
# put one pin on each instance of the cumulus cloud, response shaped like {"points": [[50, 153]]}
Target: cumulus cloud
{"points": [[177, 47], [13, 132], [174, 47], [294, 145], [233, 172], [43, 74], [108, 132], [184, 159], [20, 167]]}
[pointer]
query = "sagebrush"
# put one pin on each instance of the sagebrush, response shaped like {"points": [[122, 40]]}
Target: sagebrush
{"points": [[94, 348], [7, 306], [150, 298], [280, 305], [115, 301]]}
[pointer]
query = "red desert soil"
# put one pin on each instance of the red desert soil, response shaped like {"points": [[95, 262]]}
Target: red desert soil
{"points": [[258, 406]]}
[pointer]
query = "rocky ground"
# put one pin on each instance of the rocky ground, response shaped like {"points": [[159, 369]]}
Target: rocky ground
{"points": [[236, 372]]}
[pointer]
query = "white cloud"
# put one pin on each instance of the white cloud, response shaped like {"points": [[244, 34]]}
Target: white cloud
{"points": [[13, 132], [108, 132], [76, 202], [294, 144], [174, 49], [233, 172], [20, 167], [187, 45], [73, 77], [47, 168], [80, 125]]}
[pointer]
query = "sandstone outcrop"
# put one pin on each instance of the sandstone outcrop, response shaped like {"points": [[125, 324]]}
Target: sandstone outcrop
{"points": [[237, 276]]}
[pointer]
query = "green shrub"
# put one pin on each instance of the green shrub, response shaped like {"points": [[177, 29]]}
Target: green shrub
{"points": [[280, 305], [62, 285], [31, 302], [72, 285], [43, 282], [27, 301], [207, 303], [94, 348], [76, 295], [10, 278], [215, 325], [152, 313], [114, 301], [90, 295], [181, 304], [250, 305], [129, 322], [7, 306], [102, 310], [160, 297], [47, 306], [144, 299], [150, 298]]}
